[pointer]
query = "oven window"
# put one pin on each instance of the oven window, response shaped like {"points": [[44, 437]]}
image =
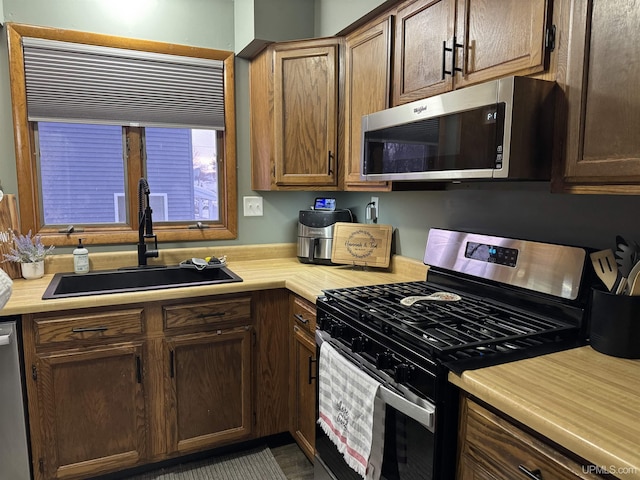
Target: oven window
{"points": [[408, 449]]}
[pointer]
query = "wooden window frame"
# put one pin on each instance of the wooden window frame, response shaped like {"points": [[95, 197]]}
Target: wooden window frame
{"points": [[26, 163]]}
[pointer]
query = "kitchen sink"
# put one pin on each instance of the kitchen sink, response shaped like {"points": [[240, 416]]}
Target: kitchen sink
{"points": [[139, 279]]}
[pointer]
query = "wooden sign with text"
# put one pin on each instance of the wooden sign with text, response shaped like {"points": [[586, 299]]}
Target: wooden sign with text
{"points": [[361, 244]]}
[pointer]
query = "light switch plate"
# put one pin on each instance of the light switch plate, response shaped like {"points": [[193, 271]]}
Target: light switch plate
{"points": [[252, 206]]}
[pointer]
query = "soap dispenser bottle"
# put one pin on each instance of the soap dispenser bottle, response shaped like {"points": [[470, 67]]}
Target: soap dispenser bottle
{"points": [[80, 258]]}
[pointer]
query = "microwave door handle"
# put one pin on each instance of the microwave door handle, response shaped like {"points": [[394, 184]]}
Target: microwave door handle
{"points": [[424, 414]]}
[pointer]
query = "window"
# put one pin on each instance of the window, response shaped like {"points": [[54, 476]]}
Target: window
{"points": [[163, 112]]}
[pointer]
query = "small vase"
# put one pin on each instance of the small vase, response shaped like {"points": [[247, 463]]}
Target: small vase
{"points": [[32, 270]]}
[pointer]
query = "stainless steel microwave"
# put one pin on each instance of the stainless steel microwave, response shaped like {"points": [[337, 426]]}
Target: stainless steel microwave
{"points": [[501, 129]]}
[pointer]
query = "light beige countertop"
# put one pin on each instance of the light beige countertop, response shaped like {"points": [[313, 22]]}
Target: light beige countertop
{"points": [[581, 399], [261, 267]]}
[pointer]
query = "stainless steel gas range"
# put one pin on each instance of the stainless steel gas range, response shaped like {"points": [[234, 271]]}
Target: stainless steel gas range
{"points": [[486, 300]]}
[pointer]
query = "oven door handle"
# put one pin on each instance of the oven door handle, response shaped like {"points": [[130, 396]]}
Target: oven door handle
{"points": [[424, 412]]}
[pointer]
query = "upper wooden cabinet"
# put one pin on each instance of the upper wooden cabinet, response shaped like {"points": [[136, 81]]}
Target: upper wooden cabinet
{"points": [[367, 90], [602, 153], [294, 88], [445, 44], [420, 59], [499, 38]]}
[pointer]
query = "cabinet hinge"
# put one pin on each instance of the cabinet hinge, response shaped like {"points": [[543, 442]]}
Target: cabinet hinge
{"points": [[254, 337], [255, 419], [550, 38], [34, 372], [41, 465]]}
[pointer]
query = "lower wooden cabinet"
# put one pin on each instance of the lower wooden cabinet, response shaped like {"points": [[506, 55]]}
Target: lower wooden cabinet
{"points": [[92, 411], [209, 389], [112, 388], [303, 367], [493, 448]]}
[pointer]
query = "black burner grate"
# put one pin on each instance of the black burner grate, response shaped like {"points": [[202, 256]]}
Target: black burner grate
{"points": [[468, 327]]}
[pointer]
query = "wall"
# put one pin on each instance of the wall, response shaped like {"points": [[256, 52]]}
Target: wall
{"points": [[525, 210]]}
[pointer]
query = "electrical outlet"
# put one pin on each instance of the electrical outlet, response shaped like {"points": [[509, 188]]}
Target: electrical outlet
{"points": [[376, 204], [252, 206]]}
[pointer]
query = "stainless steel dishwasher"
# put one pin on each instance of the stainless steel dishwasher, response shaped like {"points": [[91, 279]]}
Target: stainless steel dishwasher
{"points": [[14, 450]]}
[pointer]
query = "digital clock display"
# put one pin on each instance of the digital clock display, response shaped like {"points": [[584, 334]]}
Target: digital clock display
{"points": [[492, 254]]}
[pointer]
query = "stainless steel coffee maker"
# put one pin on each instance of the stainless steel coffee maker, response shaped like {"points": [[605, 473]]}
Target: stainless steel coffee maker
{"points": [[315, 234]]}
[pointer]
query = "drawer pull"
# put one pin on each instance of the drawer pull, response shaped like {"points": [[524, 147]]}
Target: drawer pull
{"points": [[533, 474], [89, 329], [215, 314], [301, 319]]}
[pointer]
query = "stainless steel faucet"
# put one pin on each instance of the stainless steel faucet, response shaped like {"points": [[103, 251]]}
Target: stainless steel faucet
{"points": [[145, 225]]}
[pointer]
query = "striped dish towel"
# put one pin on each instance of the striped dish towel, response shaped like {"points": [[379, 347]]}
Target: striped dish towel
{"points": [[347, 407]]}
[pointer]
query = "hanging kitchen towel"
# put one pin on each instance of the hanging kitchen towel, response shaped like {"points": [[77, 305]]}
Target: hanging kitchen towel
{"points": [[349, 412]]}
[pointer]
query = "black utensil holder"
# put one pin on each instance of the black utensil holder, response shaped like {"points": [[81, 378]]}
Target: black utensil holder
{"points": [[615, 324]]}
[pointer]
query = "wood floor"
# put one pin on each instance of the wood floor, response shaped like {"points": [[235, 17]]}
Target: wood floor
{"points": [[293, 462]]}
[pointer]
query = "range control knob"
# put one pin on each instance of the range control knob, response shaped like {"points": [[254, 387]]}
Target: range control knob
{"points": [[402, 373], [336, 330], [383, 360], [357, 344]]}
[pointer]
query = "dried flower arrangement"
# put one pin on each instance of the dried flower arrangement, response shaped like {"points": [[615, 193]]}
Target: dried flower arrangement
{"points": [[27, 249]]}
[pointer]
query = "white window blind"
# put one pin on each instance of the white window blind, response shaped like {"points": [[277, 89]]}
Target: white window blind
{"points": [[73, 82]]}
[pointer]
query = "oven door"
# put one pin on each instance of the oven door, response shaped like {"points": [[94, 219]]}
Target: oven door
{"points": [[409, 432]]}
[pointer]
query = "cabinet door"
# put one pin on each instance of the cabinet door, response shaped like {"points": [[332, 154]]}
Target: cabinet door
{"points": [[499, 38], [92, 410], [304, 388], [306, 114], [367, 90], [209, 398], [603, 144], [422, 28]]}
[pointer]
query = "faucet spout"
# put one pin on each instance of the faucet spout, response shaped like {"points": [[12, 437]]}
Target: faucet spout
{"points": [[145, 224]]}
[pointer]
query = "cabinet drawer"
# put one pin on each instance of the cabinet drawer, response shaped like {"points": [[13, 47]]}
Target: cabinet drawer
{"points": [[88, 326], [304, 314], [207, 313], [507, 452]]}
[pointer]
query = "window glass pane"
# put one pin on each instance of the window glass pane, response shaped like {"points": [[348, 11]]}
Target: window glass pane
{"points": [[82, 173], [182, 172]]}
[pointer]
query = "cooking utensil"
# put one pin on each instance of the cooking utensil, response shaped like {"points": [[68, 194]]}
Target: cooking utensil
{"points": [[605, 266], [634, 289], [633, 276], [434, 297], [627, 255]]}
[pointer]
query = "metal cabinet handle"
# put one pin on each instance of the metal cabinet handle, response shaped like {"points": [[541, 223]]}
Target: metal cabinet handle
{"points": [[446, 49], [172, 364], [214, 314], [301, 319], [444, 59], [311, 361], [329, 170], [454, 57], [138, 369], [533, 474], [89, 329]]}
